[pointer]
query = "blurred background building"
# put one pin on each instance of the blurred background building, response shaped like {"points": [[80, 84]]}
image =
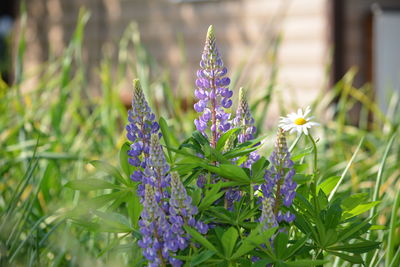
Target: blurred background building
{"points": [[318, 40]]}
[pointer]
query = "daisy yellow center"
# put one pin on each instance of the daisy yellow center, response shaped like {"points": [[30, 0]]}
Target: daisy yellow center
{"points": [[300, 121]]}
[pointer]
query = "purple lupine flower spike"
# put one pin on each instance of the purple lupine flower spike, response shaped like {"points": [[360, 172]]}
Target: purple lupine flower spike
{"points": [[181, 208], [156, 172], [279, 184], [153, 224], [212, 91], [139, 129], [245, 121]]}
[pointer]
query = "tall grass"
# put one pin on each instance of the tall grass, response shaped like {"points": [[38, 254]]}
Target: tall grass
{"points": [[49, 133]]}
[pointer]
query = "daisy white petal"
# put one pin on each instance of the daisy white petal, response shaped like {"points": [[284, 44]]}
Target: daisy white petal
{"points": [[307, 111], [299, 121]]}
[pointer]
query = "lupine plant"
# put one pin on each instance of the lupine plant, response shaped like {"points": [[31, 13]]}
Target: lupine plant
{"points": [[215, 200]]}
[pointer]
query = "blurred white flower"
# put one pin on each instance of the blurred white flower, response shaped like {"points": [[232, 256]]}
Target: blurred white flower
{"points": [[299, 121]]}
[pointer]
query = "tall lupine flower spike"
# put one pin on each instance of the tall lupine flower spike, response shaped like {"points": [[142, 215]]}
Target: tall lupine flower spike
{"points": [[156, 172], [139, 129], [245, 121], [181, 212], [212, 91], [153, 226], [279, 185]]}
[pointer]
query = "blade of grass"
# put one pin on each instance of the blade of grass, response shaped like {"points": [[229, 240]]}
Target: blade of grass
{"points": [[392, 231], [380, 174], [346, 169], [396, 259]]}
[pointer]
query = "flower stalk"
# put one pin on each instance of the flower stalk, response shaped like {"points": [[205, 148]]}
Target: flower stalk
{"points": [[212, 92]]}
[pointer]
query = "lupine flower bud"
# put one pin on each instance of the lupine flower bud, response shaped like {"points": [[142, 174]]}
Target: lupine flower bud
{"points": [[181, 206], [139, 129], [279, 184], [201, 180], [212, 91], [243, 120], [156, 172], [267, 219]]}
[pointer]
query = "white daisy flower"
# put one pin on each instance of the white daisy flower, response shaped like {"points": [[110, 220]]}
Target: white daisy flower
{"points": [[298, 121]]}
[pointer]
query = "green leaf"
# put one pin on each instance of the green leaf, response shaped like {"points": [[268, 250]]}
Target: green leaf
{"points": [[258, 167], [360, 247], [301, 167], [253, 240], [113, 222], [196, 196], [359, 209], [304, 153], [377, 227], [134, 208], [201, 239], [328, 185], [291, 251], [169, 139], [352, 229], [354, 200], [202, 257], [323, 200], [280, 243], [306, 263], [305, 226], [191, 157], [90, 184], [123, 160], [224, 137], [333, 215], [302, 178], [211, 196], [109, 169], [228, 241], [224, 215], [105, 199], [356, 259], [217, 156], [262, 263], [200, 138], [231, 172], [244, 148], [330, 237]]}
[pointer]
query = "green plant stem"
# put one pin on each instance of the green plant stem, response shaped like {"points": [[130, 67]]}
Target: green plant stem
{"points": [[294, 144], [315, 171], [251, 200], [315, 150]]}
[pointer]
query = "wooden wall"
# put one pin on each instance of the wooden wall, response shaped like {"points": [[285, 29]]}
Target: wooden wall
{"points": [[245, 30]]}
